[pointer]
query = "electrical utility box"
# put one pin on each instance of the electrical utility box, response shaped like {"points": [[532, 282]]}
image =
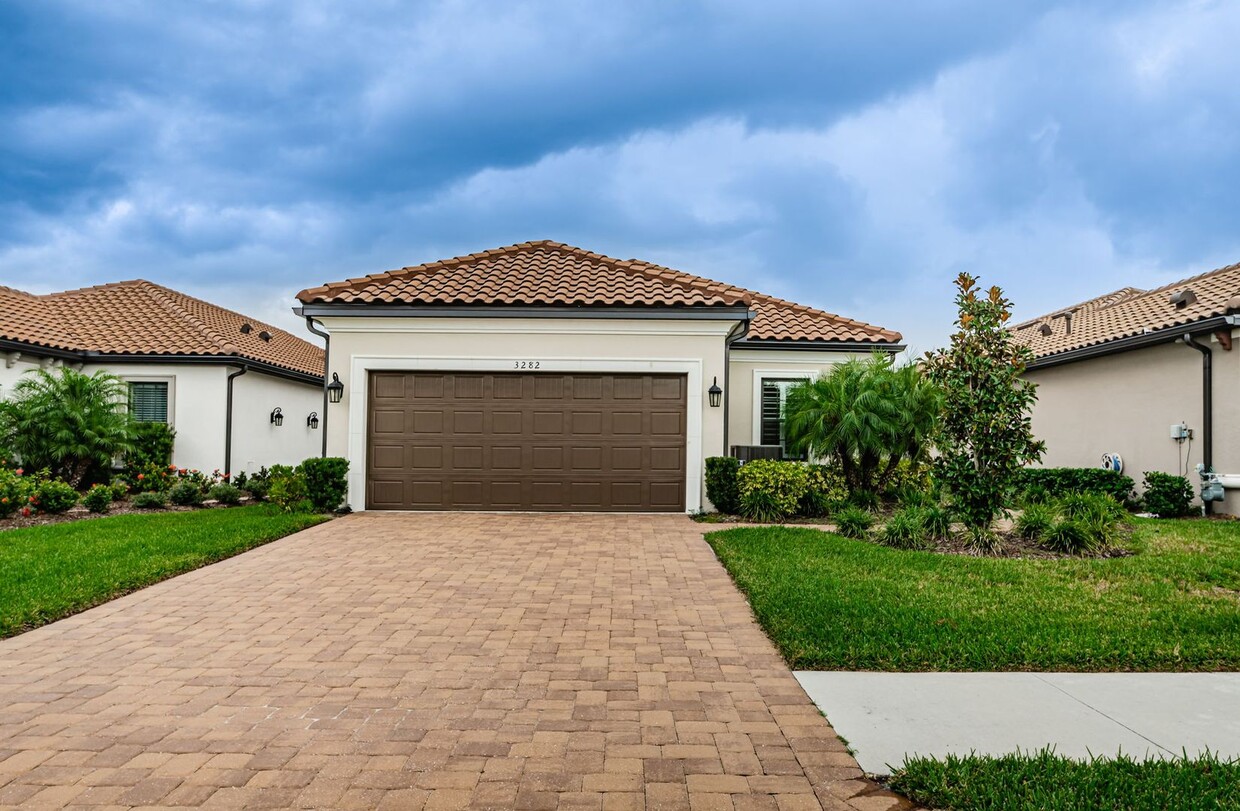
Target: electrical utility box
{"points": [[1180, 431]]}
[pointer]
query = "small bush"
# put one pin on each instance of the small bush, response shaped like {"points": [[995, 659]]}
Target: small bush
{"points": [[721, 483], [288, 489], [771, 490], [1035, 494], [119, 489], [15, 491], [983, 540], [149, 500], [327, 482], [185, 494], [258, 485], [915, 497], [938, 522], [814, 504], [225, 494], [1035, 521], [1167, 496], [152, 445], [906, 529], [98, 499], [152, 478], [1070, 537], [1060, 481], [53, 496], [864, 500], [853, 522], [1087, 507]]}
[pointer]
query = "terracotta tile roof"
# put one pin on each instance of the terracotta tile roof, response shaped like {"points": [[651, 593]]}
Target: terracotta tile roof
{"points": [[1131, 311], [550, 273], [142, 318]]}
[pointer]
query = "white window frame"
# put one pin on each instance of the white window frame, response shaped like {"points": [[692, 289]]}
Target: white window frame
{"points": [[761, 375], [171, 380]]}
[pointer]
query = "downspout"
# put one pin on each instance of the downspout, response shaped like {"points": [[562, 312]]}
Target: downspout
{"points": [[327, 348], [1207, 407], [228, 409], [733, 336]]}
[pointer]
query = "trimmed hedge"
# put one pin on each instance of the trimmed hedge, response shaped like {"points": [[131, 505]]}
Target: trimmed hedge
{"points": [[326, 482], [1060, 481], [1167, 496], [721, 483], [771, 490]]}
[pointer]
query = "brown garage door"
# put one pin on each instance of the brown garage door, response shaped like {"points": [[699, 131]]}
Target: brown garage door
{"points": [[461, 441]]}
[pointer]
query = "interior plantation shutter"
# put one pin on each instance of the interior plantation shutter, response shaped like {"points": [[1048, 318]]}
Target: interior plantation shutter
{"points": [[771, 402], [148, 402]]}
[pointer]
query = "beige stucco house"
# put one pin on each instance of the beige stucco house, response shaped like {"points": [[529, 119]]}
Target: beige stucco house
{"points": [[1149, 375], [545, 377], [214, 375]]}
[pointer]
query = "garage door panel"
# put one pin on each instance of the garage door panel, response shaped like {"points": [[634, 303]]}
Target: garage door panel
{"points": [[524, 441]]}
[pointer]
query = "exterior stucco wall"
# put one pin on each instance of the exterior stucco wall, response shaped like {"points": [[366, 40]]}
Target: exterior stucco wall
{"points": [[749, 366], [1126, 403], [256, 442], [694, 348], [197, 400]]}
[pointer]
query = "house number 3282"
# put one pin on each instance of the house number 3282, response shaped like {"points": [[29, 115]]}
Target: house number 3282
{"points": [[526, 364]]}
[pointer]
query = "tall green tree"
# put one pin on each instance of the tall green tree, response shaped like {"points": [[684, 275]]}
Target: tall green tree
{"points": [[67, 421], [866, 416], [985, 437]]}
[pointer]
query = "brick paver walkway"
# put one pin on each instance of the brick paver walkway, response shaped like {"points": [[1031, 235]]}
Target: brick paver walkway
{"points": [[426, 661]]}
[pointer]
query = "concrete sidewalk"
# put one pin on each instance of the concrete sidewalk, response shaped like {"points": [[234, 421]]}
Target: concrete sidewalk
{"points": [[885, 716]]}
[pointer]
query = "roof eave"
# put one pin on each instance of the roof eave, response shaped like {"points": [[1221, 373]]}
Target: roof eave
{"points": [[1139, 341], [709, 312], [803, 345]]}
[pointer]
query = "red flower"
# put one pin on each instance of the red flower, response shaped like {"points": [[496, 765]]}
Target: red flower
{"points": [[20, 471], [141, 476]]}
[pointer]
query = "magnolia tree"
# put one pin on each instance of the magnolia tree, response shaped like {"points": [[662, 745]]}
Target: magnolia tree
{"points": [[985, 436]]}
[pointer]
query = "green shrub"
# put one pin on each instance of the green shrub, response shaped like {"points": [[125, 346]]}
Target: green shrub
{"points": [[225, 494], [906, 529], [54, 496], [256, 484], [1035, 494], [1070, 537], [913, 497], [1088, 507], [1167, 496], [864, 500], [185, 494], [152, 478], [98, 499], [327, 482], [15, 490], [1033, 523], [149, 500], [938, 522], [853, 522], [288, 489], [119, 489], [772, 489], [721, 483], [983, 540], [814, 504], [1060, 481], [152, 445]]}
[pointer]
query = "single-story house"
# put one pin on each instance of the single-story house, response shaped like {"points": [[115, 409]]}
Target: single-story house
{"points": [[1145, 376], [240, 394], [545, 377]]}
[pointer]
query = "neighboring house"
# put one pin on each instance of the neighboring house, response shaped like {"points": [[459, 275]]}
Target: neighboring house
{"points": [[1116, 373], [545, 377], [214, 375]]}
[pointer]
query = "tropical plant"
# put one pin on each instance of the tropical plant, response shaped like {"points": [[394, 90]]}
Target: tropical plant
{"points": [[1070, 537], [152, 445], [14, 491], [985, 438], [853, 522], [864, 416], [67, 421], [53, 496], [288, 489], [1034, 521], [98, 499], [326, 481], [938, 521], [771, 490], [119, 489]]}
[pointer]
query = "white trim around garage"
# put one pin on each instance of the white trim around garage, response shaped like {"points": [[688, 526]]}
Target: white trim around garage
{"points": [[362, 365]]}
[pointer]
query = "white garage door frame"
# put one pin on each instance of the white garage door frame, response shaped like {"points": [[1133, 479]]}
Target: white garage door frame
{"points": [[363, 365]]}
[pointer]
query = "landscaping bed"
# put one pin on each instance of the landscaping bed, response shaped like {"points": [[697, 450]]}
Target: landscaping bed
{"points": [[1043, 781], [833, 603], [49, 572]]}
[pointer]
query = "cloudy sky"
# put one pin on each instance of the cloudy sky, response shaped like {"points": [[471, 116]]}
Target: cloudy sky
{"points": [[854, 156]]}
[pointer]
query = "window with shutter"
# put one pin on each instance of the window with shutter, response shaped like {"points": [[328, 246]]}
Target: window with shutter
{"points": [[148, 402], [774, 397]]}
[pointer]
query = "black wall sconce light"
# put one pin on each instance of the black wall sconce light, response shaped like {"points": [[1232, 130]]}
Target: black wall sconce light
{"points": [[714, 393], [313, 420], [277, 417], [335, 389]]}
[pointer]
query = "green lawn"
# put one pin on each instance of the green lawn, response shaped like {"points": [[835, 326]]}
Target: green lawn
{"points": [[49, 572], [831, 603], [1042, 781]]}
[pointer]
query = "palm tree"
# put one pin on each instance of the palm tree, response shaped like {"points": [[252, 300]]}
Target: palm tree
{"points": [[865, 415], [67, 421]]}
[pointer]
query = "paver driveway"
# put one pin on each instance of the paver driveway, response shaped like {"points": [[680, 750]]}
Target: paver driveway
{"points": [[435, 660]]}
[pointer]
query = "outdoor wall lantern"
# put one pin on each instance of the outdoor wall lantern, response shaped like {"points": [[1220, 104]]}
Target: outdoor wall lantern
{"points": [[335, 389], [715, 393], [277, 417], [313, 420]]}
